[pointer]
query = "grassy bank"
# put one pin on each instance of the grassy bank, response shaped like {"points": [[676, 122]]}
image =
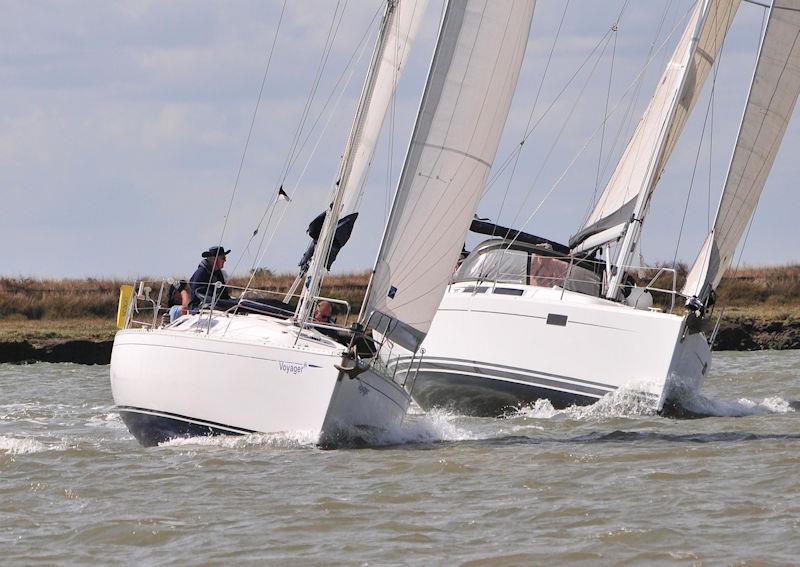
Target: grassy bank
{"points": [[41, 310]]}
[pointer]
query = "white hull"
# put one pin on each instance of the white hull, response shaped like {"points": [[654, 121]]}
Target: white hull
{"points": [[491, 351], [246, 374]]}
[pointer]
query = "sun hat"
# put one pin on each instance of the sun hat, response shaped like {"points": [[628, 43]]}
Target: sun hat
{"points": [[215, 251]]}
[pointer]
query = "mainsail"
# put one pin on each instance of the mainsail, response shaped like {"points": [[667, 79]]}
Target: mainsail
{"points": [[628, 193], [463, 110], [400, 29], [397, 31], [770, 103]]}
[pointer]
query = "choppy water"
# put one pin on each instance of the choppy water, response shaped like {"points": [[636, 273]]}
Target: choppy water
{"points": [[608, 484]]}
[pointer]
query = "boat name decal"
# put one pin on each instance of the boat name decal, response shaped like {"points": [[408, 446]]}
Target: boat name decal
{"points": [[291, 367]]}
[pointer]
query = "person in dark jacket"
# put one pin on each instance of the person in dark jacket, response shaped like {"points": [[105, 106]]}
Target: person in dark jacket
{"points": [[178, 299], [207, 274]]}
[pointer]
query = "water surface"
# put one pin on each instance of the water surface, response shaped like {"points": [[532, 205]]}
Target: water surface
{"points": [[606, 484]]}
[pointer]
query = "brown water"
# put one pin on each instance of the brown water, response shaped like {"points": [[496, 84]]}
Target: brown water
{"points": [[608, 484]]}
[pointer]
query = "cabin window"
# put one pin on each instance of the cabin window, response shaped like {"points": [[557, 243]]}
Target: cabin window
{"points": [[505, 265], [499, 264]]}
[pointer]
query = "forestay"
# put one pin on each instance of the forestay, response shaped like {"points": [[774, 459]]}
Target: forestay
{"points": [[631, 185], [770, 103], [463, 110], [400, 29]]}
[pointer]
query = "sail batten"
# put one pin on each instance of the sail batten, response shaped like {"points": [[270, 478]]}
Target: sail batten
{"points": [[463, 110], [770, 104]]}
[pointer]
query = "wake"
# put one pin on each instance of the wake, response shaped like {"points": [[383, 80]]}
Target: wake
{"points": [[444, 426]]}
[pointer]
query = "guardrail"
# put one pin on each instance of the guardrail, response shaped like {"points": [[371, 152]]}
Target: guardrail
{"points": [[148, 309], [502, 266]]}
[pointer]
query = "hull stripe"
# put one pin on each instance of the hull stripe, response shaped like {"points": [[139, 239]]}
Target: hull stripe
{"points": [[516, 378], [509, 371], [178, 417], [543, 318]]}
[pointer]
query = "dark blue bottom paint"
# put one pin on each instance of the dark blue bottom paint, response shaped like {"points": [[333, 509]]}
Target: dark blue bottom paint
{"points": [[485, 397], [151, 429]]}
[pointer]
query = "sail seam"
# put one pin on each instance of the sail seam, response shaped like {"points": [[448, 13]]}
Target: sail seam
{"points": [[456, 151]]}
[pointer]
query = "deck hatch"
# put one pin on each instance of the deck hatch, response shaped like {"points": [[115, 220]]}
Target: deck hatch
{"points": [[508, 291]]}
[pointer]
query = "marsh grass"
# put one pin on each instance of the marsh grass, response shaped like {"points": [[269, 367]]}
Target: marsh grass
{"points": [[43, 309], [86, 308]]}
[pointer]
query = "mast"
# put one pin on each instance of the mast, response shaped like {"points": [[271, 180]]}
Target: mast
{"points": [[770, 103], [623, 206], [464, 107], [356, 150]]}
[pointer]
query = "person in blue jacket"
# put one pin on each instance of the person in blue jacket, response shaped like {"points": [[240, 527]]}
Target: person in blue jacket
{"points": [[208, 273]]}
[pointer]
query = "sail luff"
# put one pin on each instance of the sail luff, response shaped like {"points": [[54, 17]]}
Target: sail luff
{"points": [[463, 110], [628, 192], [704, 46], [401, 29], [770, 103], [364, 132]]}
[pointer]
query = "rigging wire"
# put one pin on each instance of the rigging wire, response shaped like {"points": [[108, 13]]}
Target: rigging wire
{"points": [[360, 50], [518, 154], [252, 124], [691, 182], [763, 120], [349, 71], [264, 246], [572, 78], [405, 258], [508, 160], [503, 166], [343, 80], [326, 50], [569, 166], [626, 124], [309, 100], [563, 127], [712, 100], [615, 29], [709, 115]]}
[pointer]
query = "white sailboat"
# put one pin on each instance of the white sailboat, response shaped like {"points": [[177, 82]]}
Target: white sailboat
{"points": [[527, 319], [227, 372]]}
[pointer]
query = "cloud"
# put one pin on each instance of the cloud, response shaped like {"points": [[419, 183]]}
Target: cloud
{"points": [[122, 127]]}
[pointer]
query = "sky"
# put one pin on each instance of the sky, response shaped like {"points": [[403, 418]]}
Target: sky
{"points": [[123, 126]]}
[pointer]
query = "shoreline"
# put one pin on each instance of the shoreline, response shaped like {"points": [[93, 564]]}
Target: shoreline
{"points": [[77, 351], [740, 334]]}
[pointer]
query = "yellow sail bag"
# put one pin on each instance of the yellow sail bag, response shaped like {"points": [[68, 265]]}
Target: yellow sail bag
{"points": [[125, 294]]}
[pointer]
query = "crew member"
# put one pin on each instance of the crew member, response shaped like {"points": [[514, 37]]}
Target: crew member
{"points": [[323, 313], [178, 299], [207, 274]]}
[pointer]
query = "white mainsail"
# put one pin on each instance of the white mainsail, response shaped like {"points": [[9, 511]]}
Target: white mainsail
{"points": [[464, 108], [770, 103], [630, 188], [397, 31], [400, 29]]}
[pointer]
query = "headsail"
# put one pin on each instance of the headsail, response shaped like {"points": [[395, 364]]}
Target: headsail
{"points": [[629, 190], [463, 110], [770, 103]]}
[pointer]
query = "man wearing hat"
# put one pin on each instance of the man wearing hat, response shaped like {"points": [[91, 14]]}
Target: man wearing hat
{"points": [[207, 274]]}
